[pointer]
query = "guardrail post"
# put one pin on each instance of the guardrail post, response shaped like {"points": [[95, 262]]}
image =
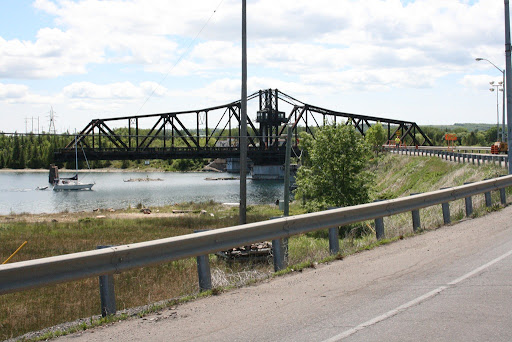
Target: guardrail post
{"points": [[488, 200], [203, 270], [416, 223], [107, 292], [473, 159], [487, 195], [478, 157], [503, 196], [379, 226], [334, 242], [446, 211], [469, 204], [278, 255]]}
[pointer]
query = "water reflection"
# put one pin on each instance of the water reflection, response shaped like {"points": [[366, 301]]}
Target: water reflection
{"points": [[18, 192]]}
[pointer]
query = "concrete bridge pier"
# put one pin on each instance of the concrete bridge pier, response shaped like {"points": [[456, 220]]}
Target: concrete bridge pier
{"points": [[268, 172]]}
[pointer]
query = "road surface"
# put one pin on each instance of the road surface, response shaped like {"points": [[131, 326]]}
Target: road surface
{"points": [[451, 284]]}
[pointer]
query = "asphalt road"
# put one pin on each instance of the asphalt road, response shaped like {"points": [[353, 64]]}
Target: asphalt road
{"points": [[452, 284]]}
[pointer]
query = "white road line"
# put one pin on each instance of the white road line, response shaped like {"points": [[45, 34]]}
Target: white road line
{"points": [[415, 301]]}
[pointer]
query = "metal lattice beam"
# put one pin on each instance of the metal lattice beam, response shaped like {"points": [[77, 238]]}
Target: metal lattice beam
{"points": [[101, 142]]}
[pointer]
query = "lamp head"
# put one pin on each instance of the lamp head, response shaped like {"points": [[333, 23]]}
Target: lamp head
{"points": [[491, 89], [478, 59], [491, 83]]}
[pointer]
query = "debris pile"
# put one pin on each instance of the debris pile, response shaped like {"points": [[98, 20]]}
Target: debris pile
{"points": [[255, 251]]}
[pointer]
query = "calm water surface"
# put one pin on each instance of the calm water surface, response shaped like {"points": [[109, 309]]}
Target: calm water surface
{"points": [[18, 192]]}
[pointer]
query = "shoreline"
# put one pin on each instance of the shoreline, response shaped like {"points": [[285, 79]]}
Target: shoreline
{"points": [[105, 170], [165, 211]]}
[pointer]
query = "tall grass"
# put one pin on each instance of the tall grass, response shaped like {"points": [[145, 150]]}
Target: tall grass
{"points": [[35, 309]]}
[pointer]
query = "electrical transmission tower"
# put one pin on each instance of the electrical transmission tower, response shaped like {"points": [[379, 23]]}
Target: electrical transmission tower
{"points": [[52, 122]]}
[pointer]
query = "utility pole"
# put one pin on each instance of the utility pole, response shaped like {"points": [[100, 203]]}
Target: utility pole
{"points": [[508, 84], [243, 122], [287, 170]]}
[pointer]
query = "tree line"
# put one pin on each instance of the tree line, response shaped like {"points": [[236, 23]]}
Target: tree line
{"points": [[20, 151]]}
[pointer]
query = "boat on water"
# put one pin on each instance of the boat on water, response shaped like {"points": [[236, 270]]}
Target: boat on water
{"points": [[72, 183]]}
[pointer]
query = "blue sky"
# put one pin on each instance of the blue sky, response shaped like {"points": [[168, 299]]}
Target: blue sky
{"points": [[410, 60]]}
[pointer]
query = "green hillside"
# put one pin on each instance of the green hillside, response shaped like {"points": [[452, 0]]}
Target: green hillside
{"points": [[398, 176]]}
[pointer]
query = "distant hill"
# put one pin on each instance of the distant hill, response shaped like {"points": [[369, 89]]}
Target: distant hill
{"points": [[470, 127]]}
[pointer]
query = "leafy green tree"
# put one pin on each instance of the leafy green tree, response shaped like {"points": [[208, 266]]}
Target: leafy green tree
{"points": [[333, 172], [491, 136], [376, 137]]}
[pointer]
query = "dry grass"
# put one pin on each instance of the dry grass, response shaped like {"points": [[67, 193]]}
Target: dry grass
{"points": [[35, 309]]}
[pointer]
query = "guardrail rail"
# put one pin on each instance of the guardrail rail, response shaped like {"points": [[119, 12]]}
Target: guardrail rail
{"points": [[106, 261]]}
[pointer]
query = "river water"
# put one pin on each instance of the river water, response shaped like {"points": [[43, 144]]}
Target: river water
{"points": [[18, 193]]}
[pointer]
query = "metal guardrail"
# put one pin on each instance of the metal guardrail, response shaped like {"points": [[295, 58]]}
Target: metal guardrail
{"points": [[41, 272], [456, 156], [441, 148]]}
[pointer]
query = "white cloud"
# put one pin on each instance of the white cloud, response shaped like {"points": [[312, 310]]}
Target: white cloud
{"points": [[13, 91], [118, 91], [20, 94], [111, 54], [479, 81]]}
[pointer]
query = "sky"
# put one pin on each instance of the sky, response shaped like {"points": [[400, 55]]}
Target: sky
{"points": [[411, 60]]}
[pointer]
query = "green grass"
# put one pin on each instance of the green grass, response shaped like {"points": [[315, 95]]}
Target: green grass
{"points": [[398, 176]]}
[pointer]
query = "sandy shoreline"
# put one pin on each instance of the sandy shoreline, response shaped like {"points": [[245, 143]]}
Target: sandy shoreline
{"points": [[105, 170], [76, 216]]}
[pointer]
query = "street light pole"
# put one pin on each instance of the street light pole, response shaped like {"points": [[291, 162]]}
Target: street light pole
{"points": [[503, 138], [243, 122], [499, 87], [508, 83]]}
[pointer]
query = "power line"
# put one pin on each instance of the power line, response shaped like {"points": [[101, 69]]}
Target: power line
{"points": [[187, 50]]}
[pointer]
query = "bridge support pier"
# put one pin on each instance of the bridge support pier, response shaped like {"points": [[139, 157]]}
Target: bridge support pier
{"points": [[267, 172], [54, 173]]}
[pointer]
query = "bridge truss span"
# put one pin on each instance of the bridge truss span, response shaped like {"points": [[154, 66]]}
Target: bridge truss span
{"points": [[214, 132]]}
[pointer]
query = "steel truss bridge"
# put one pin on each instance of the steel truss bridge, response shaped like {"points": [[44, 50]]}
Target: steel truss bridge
{"points": [[214, 132]]}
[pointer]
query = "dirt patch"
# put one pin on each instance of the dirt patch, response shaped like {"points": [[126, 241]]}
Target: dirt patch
{"points": [[74, 217]]}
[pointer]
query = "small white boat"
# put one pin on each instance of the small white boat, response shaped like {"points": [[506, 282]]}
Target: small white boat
{"points": [[72, 183]]}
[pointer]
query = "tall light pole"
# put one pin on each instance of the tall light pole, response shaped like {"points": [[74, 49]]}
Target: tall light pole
{"points": [[498, 87], [243, 122], [508, 83], [503, 138]]}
